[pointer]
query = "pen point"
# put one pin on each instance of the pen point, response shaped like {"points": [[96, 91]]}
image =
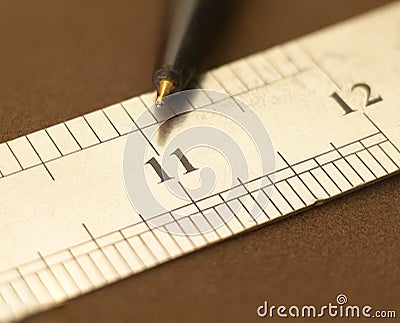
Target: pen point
{"points": [[164, 88]]}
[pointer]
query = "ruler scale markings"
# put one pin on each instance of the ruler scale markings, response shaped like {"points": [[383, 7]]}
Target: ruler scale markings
{"points": [[322, 69], [93, 271], [373, 157], [326, 173], [390, 165], [276, 69], [263, 68], [379, 130], [8, 306], [120, 264], [198, 239], [41, 283], [147, 139], [243, 195], [355, 161], [391, 149], [344, 158], [157, 239], [241, 212], [297, 175], [210, 233], [111, 123], [101, 250], [119, 118], [27, 285], [23, 149], [246, 75], [84, 117], [253, 198], [52, 274], [52, 140], [197, 207], [168, 234], [319, 183], [43, 145], [280, 62], [231, 222], [155, 246], [31, 282], [70, 132], [204, 219], [131, 259], [62, 138], [375, 166], [8, 162], [340, 167], [283, 198], [134, 107], [14, 292], [185, 241], [225, 211], [147, 108], [102, 262], [166, 240], [40, 158], [70, 276], [290, 59], [100, 125], [23, 293], [244, 207], [233, 213], [200, 100], [303, 190], [132, 249], [143, 250], [68, 285], [337, 176], [226, 223], [295, 192], [289, 195], [366, 166], [271, 201], [258, 80], [221, 229], [235, 86], [297, 56]]}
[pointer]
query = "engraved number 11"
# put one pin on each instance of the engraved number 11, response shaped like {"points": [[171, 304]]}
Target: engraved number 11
{"points": [[162, 174]]}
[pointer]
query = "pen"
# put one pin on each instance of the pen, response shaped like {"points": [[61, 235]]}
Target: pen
{"points": [[188, 31]]}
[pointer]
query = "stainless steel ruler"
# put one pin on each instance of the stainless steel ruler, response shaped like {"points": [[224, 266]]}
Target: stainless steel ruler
{"points": [[330, 102]]}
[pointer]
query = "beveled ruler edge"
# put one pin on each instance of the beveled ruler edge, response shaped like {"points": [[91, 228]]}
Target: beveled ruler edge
{"points": [[37, 142]]}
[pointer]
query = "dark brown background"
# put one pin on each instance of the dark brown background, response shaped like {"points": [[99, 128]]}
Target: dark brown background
{"points": [[60, 59]]}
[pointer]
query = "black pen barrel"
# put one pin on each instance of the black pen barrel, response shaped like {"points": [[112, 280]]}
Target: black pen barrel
{"points": [[188, 31]]}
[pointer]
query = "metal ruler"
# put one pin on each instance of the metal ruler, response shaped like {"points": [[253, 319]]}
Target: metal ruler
{"points": [[330, 102]]}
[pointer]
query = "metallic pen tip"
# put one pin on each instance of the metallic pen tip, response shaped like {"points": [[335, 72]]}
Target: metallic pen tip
{"points": [[164, 88]]}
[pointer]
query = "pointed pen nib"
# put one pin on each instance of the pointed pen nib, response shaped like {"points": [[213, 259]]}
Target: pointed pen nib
{"points": [[164, 88]]}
